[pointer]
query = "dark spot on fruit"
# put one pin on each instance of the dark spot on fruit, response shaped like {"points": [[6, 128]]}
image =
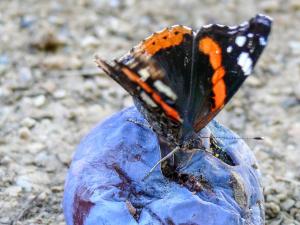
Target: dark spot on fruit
{"points": [[254, 166], [138, 157], [176, 32], [81, 206]]}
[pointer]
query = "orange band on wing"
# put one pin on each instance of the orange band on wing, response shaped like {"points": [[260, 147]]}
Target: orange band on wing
{"points": [[168, 109], [209, 47], [165, 39], [219, 88]]}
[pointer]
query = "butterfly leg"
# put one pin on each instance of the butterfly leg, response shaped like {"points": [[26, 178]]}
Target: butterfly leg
{"points": [[162, 160]]}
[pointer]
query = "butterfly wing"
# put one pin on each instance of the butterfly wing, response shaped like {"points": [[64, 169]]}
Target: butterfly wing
{"points": [[157, 74], [142, 78], [171, 49], [223, 58]]}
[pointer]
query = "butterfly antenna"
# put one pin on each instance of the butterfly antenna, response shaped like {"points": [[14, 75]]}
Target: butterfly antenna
{"points": [[259, 138]]}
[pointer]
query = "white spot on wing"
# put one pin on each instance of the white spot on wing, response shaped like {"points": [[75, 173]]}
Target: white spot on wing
{"points": [[244, 24], [262, 41], [240, 40], [147, 99], [245, 62], [144, 74], [160, 86], [250, 35], [188, 28], [207, 26], [232, 27], [229, 49]]}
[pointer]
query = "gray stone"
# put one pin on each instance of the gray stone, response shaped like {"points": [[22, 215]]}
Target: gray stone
{"points": [[28, 122], [287, 204], [39, 101], [24, 133], [272, 209]]}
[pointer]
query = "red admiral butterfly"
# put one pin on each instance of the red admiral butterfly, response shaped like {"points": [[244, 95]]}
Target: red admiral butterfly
{"points": [[181, 79]]}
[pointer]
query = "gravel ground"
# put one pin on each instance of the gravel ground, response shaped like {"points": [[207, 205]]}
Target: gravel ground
{"points": [[51, 92]]}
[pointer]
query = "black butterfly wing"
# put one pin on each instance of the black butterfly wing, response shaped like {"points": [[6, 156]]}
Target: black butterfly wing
{"points": [[223, 57], [170, 52]]}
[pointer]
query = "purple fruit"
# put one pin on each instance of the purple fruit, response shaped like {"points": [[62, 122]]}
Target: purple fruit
{"points": [[105, 182]]}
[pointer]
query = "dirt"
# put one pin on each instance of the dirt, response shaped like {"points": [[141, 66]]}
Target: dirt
{"points": [[52, 94]]}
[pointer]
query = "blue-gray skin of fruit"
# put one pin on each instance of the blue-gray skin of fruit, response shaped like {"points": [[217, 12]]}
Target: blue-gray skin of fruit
{"points": [[105, 180]]}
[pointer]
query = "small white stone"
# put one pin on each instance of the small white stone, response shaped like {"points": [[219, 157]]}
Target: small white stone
{"points": [[89, 41], [13, 191], [240, 40], [39, 100], [245, 62], [59, 94], [28, 122]]}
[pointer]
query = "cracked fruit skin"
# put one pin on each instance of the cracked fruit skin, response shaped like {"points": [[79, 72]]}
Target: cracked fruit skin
{"points": [[104, 183]]}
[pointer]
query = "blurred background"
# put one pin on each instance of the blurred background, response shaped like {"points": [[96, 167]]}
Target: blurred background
{"points": [[52, 94]]}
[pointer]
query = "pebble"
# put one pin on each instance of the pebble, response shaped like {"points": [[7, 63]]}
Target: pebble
{"points": [[48, 41], [34, 148], [6, 160], [59, 94], [27, 21], [24, 133], [272, 209], [89, 42], [25, 76], [254, 81], [296, 90], [295, 47], [61, 62], [39, 101], [294, 130], [23, 182], [64, 157], [49, 86], [47, 161], [43, 196], [28, 122], [269, 5], [287, 204], [5, 220], [13, 191]]}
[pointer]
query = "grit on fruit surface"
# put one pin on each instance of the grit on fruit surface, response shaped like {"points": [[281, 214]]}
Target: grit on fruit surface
{"points": [[52, 94]]}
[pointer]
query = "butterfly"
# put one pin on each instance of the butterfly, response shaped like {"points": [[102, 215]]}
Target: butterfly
{"points": [[181, 79]]}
